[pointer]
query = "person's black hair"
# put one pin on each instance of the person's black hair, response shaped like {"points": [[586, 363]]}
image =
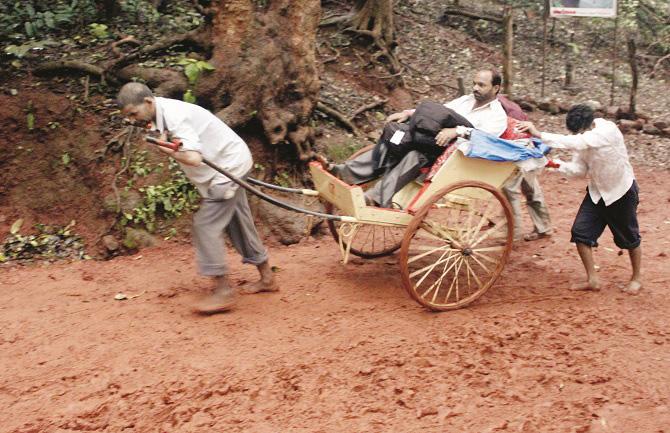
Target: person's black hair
{"points": [[496, 78], [133, 94], [579, 118]]}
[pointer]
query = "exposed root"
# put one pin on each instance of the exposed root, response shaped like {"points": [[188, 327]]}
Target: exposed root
{"points": [[335, 114], [367, 107]]}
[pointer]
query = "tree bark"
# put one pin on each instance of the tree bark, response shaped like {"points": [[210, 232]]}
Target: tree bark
{"points": [[374, 18], [508, 52], [265, 63], [632, 59]]}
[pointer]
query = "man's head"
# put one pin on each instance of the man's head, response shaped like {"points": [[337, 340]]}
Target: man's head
{"points": [[137, 103], [486, 85], [579, 118]]}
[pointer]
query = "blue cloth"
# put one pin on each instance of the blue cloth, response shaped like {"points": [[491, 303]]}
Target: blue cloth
{"points": [[487, 146]]}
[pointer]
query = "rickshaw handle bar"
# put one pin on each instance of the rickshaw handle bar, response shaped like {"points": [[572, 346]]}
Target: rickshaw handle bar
{"points": [[174, 145]]}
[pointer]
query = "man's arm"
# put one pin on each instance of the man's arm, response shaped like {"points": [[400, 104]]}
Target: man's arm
{"points": [[188, 153], [575, 142], [188, 157], [575, 168]]}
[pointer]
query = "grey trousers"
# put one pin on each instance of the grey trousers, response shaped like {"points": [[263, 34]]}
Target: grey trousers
{"points": [[528, 185], [394, 174], [233, 215]]}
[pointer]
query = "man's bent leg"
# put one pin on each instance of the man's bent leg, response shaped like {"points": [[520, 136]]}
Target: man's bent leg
{"points": [[592, 281], [208, 225], [512, 190], [246, 241], [537, 208], [589, 224], [406, 171], [635, 284]]}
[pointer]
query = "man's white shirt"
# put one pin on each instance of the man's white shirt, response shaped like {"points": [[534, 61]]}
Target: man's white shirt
{"points": [[203, 132], [490, 118], [601, 153]]}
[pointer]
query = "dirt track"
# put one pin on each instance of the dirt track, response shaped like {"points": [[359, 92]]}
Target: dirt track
{"points": [[343, 349]]}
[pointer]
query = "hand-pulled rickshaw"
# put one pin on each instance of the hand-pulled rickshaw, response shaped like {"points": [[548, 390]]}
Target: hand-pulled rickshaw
{"points": [[452, 225]]}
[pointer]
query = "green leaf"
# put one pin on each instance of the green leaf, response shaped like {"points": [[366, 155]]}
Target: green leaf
{"points": [[205, 66], [192, 71], [30, 29], [189, 96], [186, 61], [49, 20], [14, 229], [30, 121], [65, 158]]}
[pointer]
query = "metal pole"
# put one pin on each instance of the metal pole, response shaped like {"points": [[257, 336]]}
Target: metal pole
{"points": [[614, 53]]}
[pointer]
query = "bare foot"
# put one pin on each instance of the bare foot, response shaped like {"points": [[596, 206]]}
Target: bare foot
{"points": [[592, 285], [633, 288], [217, 302], [259, 287]]}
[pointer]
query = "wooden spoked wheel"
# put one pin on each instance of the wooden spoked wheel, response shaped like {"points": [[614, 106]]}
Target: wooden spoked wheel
{"points": [[456, 245], [371, 240]]}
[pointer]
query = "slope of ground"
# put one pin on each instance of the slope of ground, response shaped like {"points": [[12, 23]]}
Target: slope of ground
{"points": [[343, 349]]}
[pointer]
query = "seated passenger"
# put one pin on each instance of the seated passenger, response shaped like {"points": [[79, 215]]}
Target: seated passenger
{"points": [[480, 110]]}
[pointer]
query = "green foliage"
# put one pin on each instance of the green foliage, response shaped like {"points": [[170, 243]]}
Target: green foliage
{"points": [[50, 242], [139, 11], [193, 68], [65, 159], [33, 18], [98, 31], [339, 152], [167, 200], [282, 179], [189, 96]]}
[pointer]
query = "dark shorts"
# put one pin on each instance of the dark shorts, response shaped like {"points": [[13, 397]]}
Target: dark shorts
{"points": [[620, 217]]}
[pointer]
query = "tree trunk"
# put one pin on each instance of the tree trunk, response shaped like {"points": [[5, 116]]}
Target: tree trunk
{"points": [[375, 16], [508, 49], [632, 59], [264, 55], [375, 19]]}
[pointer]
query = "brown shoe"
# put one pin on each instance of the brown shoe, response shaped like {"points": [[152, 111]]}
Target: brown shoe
{"points": [[218, 302]]}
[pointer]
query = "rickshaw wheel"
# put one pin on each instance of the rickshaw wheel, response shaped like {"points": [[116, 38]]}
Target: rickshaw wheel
{"points": [[456, 245], [371, 241]]}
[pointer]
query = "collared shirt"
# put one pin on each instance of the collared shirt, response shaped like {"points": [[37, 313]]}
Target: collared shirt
{"points": [[601, 153], [489, 118], [203, 132]]}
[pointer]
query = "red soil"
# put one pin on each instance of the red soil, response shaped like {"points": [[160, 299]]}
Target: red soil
{"points": [[343, 349]]}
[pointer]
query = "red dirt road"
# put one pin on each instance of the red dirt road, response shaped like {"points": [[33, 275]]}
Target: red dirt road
{"points": [[343, 349]]}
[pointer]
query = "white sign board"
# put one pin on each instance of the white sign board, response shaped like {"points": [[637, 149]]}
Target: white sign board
{"points": [[583, 8]]}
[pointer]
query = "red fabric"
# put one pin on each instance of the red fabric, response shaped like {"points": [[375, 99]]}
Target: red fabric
{"points": [[512, 108], [511, 133]]}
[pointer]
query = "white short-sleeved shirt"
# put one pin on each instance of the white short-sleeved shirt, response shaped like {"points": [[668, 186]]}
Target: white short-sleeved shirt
{"points": [[602, 155], [201, 131]]}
